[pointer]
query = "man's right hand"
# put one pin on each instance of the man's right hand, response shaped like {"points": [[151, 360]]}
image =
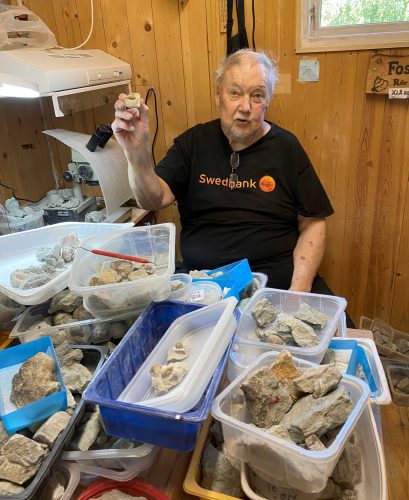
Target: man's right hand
{"points": [[131, 126]]}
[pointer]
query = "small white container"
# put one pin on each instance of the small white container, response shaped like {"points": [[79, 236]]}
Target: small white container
{"points": [[32, 221], [208, 332], [374, 481], [185, 291], [155, 243], [205, 292], [289, 302], [290, 465], [116, 464], [18, 251]]}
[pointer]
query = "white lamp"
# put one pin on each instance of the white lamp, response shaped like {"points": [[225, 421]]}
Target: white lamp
{"points": [[11, 86]]}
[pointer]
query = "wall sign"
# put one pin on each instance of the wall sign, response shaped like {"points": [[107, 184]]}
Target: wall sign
{"points": [[386, 73]]}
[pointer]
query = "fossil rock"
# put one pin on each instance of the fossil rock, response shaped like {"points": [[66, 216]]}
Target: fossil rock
{"points": [[348, 470], [65, 301], [100, 332], [308, 315], [313, 443], [33, 276], [138, 274], [178, 352], [318, 380], [68, 356], [88, 432], [95, 216], [305, 336], [108, 277], [176, 285], [76, 377], [402, 384], [51, 428], [269, 334], [280, 432], [167, 376], [117, 329], [71, 403], [9, 489], [54, 486], [4, 435], [62, 318], [286, 371], [218, 474], [20, 459], [264, 312], [311, 415], [36, 379], [199, 274], [81, 314], [266, 398], [122, 267], [42, 253], [402, 345]]}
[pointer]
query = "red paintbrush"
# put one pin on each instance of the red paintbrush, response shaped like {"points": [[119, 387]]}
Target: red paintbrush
{"points": [[119, 256]]}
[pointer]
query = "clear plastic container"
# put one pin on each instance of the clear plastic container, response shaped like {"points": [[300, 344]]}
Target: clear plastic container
{"points": [[18, 251], [33, 221], [155, 243], [183, 292], [117, 464], [208, 332], [90, 331], [397, 371], [205, 292], [294, 467], [9, 309], [393, 335], [70, 474], [372, 486], [289, 302]]}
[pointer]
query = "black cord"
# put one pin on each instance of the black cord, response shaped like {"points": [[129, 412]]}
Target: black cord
{"points": [[151, 89], [16, 197], [254, 24]]}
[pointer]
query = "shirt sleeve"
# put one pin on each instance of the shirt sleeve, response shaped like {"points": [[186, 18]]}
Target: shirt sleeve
{"points": [[175, 168], [311, 198]]}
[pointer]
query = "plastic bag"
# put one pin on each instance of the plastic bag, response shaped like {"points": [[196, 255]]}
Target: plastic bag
{"points": [[20, 28]]}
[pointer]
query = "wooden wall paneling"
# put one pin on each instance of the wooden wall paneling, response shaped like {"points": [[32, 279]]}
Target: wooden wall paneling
{"points": [[391, 189], [339, 90], [44, 11], [97, 39], [195, 61], [142, 33], [170, 68], [116, 28], [67, 23], [366, 142]]}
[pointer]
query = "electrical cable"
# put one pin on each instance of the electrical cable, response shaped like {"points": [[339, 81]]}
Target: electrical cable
{"points": [[89, 34], [16, 197], [151, 89], [254, 24]]}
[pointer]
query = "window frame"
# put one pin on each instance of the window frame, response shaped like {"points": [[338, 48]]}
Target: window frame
{"points": [[310, 38]]}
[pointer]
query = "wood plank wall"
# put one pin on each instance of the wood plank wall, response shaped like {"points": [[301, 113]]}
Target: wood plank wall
{"points": [[358, 143]]}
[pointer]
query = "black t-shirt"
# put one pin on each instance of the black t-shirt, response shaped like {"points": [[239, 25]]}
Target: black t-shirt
{"points": [[257, 220]]}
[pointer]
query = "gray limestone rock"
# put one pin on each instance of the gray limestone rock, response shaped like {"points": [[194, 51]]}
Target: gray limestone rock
{"points": [[266, 398], [62, 318], [8, 489], [402, 345], [348, 470], [68, 356], [269, 334], [76, 377], [95, 216], [318, 380], [264, 312], [4, 435], [81, 314], [311, 415], [308, 315], [65, 301], [54, 486], [36, 379], [280, 432], [71, 403], [218, 474], [20, 459], [117, 329], [88, 432], [403, 385], [54, 252], [329, 357], [305, 336], [51, 428]]}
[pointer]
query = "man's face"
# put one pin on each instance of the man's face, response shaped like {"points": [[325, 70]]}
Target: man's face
{"points": [[243, 99]]}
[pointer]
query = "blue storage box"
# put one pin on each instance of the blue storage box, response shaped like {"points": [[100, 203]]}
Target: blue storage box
{"points": [[137, 422], [11, 360], [236, 277]]}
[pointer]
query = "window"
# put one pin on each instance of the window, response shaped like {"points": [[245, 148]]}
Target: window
{"points": [[329, 25]]}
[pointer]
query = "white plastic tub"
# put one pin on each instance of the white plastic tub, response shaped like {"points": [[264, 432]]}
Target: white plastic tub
{"points": [[11, 225], [116, 464], [208, 332], [290, 465], [205, 292], [155, 243], [289, 302], [374, 481], [18, 251], [185, 291]]}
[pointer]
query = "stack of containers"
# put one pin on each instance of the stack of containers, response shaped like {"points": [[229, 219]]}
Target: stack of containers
{"points": [[288, 465], [155, 243]]}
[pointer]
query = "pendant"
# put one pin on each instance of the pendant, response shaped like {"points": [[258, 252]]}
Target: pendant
{"points": [[233, 179]]}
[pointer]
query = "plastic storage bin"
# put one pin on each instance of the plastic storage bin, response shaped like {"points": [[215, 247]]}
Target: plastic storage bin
{"points": [[89, 331], [393, 335], [11, 360], [33, 221], [185, 291], [289, 302], [116, 464], [155, 243], [70, 474], [396, 370], [290, 465], [139, 423], [208, 332], [205, 292], [135, 487], [9, 309], [93, 358], [234, 277], [18, 251]]}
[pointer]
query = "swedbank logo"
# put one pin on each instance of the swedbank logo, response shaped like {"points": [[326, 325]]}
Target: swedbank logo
{"points": [[266, 183]]}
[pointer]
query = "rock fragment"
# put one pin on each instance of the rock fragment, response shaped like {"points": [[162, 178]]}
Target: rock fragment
{"points": [[264, 312], [167, 376], [308, 315], [318, 380], [51, 428]]}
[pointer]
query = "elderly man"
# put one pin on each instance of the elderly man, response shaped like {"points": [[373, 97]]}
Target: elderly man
{"points": [[244, 186]]}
